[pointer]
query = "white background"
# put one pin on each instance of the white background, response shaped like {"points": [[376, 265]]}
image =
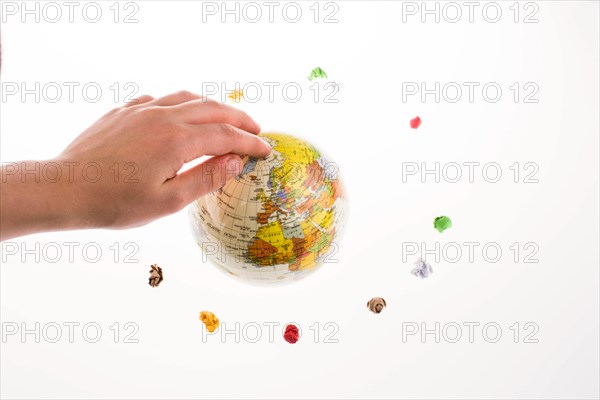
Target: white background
{"points": [[370, 52]]}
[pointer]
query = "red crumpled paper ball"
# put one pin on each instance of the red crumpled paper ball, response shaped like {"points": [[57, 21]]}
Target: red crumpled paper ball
{"points": [[415, 122], [291, 334]]}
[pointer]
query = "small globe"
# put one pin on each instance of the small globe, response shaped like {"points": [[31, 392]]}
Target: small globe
{"points": [[278, 220]]}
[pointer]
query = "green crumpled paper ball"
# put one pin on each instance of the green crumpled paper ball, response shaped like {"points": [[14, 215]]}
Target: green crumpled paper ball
{"points": [[442, 223]]}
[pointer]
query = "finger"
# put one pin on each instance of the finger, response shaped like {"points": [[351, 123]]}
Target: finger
{"points": [[219, 139], [182, 96], [212, 112], [140, 100], [205, 177]]}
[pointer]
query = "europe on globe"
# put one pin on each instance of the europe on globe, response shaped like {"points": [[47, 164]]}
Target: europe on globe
{"points": [[278, 219]]}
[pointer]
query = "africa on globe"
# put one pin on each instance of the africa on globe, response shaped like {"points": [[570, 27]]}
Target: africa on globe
{"points": [[278, 219]]}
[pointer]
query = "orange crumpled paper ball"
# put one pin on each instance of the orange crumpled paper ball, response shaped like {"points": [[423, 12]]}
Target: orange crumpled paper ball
{"points": [[210, 320]]}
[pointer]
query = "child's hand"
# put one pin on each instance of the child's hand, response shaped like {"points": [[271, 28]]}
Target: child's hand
{"points": [[122, 171]]}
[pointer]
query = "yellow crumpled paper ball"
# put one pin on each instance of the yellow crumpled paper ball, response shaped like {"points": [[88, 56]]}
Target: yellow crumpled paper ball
{"points": [[210, 320]]}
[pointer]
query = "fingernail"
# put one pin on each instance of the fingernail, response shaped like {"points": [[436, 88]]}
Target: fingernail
{"points": [[267, 145]]}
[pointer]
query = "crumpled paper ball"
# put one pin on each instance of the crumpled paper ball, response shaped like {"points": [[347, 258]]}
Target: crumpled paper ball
{"points": [[422, 269], [415, 122], [442, 223], [291, 334], [210, 320], [156, 275], [376, 304]]}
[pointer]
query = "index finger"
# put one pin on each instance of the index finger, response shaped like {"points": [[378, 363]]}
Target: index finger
{"points": [[203, 112], [219, 139]]}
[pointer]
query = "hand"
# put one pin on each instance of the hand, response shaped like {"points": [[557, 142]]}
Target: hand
{"points": [[123, 170]]}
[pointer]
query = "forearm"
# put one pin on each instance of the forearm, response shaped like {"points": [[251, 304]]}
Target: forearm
{"points": [[32, 201]]}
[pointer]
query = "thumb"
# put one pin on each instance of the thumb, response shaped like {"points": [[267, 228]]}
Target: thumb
{"points": [[207, 176]]}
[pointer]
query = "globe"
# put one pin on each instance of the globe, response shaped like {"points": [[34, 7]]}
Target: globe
{"points": [[278, 220]]}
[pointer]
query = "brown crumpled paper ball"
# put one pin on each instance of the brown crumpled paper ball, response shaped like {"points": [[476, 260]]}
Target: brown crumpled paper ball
{"points": [[376, 304], [156, 276]]}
